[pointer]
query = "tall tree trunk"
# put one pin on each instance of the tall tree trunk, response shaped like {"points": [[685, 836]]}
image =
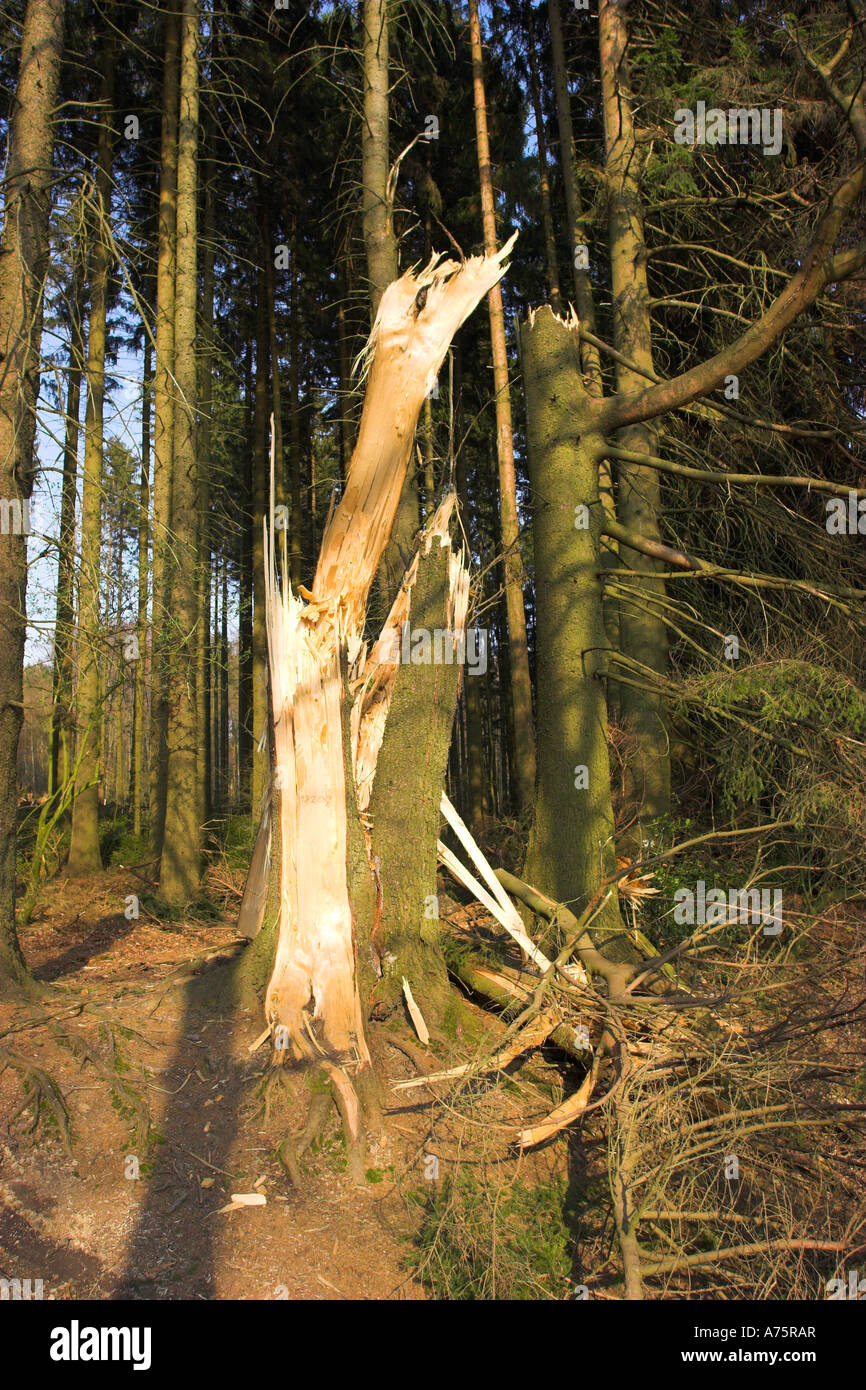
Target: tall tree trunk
{"points": [[204, 664], [476, 807], [164, 392], [642, 635], [261, 757], [121, 787], [180, 865], [583, 292], [223, 691], [571, 847], [379, 240], [295, 505], [543, 176], [139, 716], [23, 264], [244, 726], [84, 853], [347, 395], [521, 686], [62, 723], [574, 208], [381, 249]]}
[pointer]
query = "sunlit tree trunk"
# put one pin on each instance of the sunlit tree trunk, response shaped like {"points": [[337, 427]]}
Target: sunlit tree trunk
{"points": [[180, 865], [139, 763], [571, 847], [543, 175], [244, 740], [260, 759], [164, 393], [642, 633], [23, 264], [521, 687], [62, 723], [84, 853], [204, 662], [381, 250]]}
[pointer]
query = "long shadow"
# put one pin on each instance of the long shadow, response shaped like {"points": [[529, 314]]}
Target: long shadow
{"points": [[104, 935], [172, 1250], [26, 1254]]}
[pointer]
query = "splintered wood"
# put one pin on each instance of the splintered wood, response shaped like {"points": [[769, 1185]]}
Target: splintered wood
{"points": [[316, 650]]}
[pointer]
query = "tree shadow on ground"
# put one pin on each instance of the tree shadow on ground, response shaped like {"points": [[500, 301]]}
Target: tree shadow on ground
{"points": [[172, 1253]]}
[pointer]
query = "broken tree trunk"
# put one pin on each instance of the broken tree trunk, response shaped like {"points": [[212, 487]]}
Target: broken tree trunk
{"points": [[325, 914]]}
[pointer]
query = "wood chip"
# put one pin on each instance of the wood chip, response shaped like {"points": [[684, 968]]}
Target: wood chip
{"points": [[415, 1014]]}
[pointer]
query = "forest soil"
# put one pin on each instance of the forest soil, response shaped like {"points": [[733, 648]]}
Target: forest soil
{"points": [[76, 1221]]}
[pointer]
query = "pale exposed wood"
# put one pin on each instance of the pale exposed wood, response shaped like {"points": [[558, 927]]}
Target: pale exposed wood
{"points": [[496, 900], [533, 1035], [563, 1115], [415, 1013], [316, 650]]}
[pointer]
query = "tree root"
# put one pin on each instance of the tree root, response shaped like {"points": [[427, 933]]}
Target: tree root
{"points": [[43, 1089], [129, 1102]]}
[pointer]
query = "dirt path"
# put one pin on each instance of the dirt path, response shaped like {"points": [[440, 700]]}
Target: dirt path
{"points": [[158, 1086]]}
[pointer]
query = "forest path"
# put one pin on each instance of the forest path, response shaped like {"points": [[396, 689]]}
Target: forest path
{"points": [[181, 1095]]}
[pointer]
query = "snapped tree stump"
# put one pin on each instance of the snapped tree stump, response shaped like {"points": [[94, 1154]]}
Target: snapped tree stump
{"points": [[315, 883]]}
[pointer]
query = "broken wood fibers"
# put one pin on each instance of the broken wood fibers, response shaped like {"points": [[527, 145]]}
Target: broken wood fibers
{"points": [[315, 648]]}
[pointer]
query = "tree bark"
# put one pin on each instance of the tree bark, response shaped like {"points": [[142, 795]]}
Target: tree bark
{"points": [[381, 250], [521, 686], [261, 757], [139, 716], [23, 264], [642, 634], [62, 721], [543, 176], [204, 654], [244, 740], [84, 852], [164, 392], [180, 865], [379, 241], [295, 503], [571, 848]]}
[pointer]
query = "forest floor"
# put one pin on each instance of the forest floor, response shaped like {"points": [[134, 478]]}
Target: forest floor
{"points": [[145, 1074], [132, 1108]]}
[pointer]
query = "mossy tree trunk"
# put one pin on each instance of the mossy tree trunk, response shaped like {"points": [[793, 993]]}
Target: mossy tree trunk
{"points": [[164, 392], [571, 848], [180, 864], [204, 653], [642, 633], [141, 667], [260, 760], [404, 808], [380, 245], [62, 719], [84, 853], [23, 265], [520, 686]]}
